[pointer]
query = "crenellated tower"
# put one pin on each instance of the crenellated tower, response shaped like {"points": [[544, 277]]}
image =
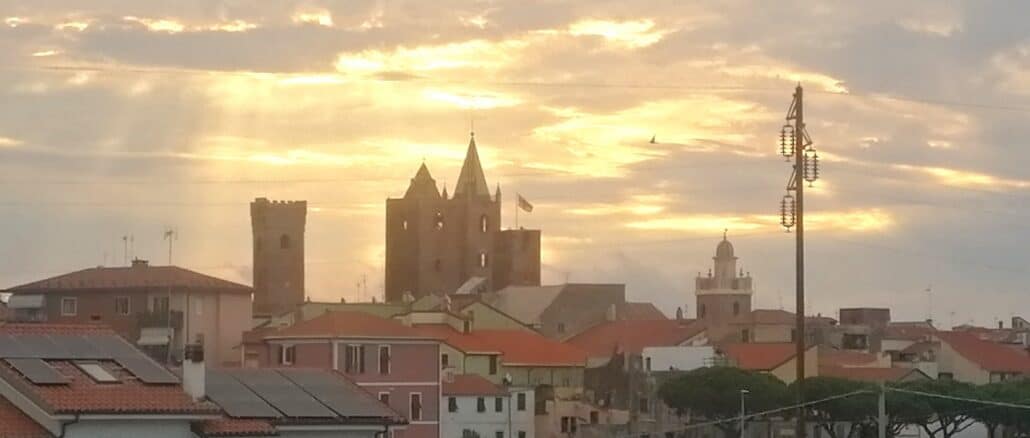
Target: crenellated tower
{"points": [[278, 231]]}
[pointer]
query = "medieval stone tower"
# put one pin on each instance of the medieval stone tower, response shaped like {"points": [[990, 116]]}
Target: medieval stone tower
{"points": [[438, 243], [723, 297], [278, 228]]}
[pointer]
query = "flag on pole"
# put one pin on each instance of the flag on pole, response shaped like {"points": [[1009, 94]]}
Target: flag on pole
{"points": [[525, 205]]}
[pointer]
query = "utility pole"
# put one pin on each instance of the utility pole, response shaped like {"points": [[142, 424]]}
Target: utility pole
{"points": [[795, 143]]}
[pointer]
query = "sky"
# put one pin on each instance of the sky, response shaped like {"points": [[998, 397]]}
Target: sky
{"points": [[129, 117]]}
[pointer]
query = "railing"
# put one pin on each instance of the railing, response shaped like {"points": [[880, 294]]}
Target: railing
{"points": [[160, 319]]}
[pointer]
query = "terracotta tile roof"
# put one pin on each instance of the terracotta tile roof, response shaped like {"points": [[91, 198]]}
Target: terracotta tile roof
{"points": [[55, 329], [348, 324], [909, 330], [472, 384], [610, 337], [466, 342], [235, 427], [129, 277], [846, 358], [759, 356], [516, 347], [988, 355], [82, 395], [521, 347], [870, 374], [15, 424], [646, 311]]}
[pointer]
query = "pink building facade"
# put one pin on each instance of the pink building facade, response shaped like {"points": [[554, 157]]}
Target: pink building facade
{"points": [[389, 360]]}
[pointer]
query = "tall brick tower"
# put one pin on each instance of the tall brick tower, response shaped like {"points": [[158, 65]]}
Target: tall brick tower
{"points": [[437, 243], [278, 228], [723, 297]]}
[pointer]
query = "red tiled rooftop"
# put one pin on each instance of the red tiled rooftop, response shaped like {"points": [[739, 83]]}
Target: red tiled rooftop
{"points": [[348, 324], [869, 374], [236, 427], [130, 277], [83, 395], [988, 355], [521, 347], [472, 384], [633, 336], [55, 329], [15, 424], [759, 356], [846, 358], [466, 342]]}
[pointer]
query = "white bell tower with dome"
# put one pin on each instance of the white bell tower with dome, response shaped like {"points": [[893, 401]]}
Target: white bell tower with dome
{"points": [[723, 297]]}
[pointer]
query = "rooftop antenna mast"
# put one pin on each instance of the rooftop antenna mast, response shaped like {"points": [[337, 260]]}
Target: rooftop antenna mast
{"points": [[929, 303], [171, 235]]}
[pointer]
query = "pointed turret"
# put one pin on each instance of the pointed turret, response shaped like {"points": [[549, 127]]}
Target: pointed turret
{"points": [[497, 194], [444, 193], [422, 185], [471, 181]]}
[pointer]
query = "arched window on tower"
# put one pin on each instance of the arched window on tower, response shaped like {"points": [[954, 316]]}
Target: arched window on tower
{"points": [[404, 224], [482, 260], [284, 242], [736, 309], [438, 221], [484, 223]]}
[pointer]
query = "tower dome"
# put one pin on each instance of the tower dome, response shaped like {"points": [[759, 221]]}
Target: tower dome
{"points": [[724, 249]]}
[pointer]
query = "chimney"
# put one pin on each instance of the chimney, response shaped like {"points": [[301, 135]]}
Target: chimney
{"points": [[193, 371]]}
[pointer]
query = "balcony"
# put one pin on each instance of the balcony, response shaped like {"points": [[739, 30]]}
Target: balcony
{"points": [[160, 319]]}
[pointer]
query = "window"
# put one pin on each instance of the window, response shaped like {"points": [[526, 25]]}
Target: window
{"points": [[452, 404], [736, 309], [482, 260], [384, 359], [493, 365], [522, 434], [466, 326], [96, 372], [647, 363], [288, 354], [159, 305], [498, 404], [354, 359], [645, 405], [745, 335], [284, 242], [438, 221], [69, 306], [415, 408], [520, 401], [484, 223], [561, 327], [568, 424], [404, 224], [445, 360], [595, 417], [480, 404], [499, 434], [121, 305], [701, 311], [384, 397]]}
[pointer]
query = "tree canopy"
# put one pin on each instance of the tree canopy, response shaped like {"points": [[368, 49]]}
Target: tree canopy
{"points": [[713, 394]]}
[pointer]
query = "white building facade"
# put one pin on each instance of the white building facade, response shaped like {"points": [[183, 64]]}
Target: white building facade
{"points": [[490, 413]]}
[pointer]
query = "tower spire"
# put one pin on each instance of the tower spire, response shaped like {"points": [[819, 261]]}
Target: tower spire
{"points": [[471, 180]]}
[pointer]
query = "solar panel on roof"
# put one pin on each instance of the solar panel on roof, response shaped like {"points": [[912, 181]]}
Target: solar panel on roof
{"points": [[283, 394], [37, 371], [342, 397], [40, 346], [112, 346], [146, 370], [10, 346], [76, 347], [235, 399]]}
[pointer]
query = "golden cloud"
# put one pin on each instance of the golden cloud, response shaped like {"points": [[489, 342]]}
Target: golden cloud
{"points": [[852, 221], [631, 34]]}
